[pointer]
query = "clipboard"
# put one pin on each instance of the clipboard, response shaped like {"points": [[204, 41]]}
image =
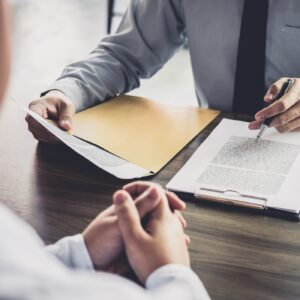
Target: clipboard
{"points": [[243, 200], [231, 197], [283, 201]]}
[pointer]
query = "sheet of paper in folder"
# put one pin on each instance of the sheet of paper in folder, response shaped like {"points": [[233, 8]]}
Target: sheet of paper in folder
{"points": [[144, 132]]}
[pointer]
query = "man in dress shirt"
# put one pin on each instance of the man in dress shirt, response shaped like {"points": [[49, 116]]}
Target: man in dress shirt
{"points": [[86, 266], [239, 49]]}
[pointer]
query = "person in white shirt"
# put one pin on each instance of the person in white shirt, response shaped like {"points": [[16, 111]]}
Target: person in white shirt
{"points": [[90, 265], [87, 266]]}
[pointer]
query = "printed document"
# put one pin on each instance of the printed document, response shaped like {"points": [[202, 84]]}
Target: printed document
{"points": [[233, 160]]}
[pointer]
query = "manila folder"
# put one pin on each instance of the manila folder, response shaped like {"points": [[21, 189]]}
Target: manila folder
{"points": [[144, 132]]}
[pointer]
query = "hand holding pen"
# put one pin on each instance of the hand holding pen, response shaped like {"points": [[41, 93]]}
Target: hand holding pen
{"points": [[284, 110], [284, 89]]}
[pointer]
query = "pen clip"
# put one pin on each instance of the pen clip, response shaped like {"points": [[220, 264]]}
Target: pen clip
{"points": [[290, 82]]}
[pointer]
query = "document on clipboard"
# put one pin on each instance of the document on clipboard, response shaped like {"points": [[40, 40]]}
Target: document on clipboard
{"points": [[231, 166]]}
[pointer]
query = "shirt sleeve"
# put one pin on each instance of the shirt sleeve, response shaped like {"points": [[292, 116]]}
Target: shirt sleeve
{"points": [[176, 282], [33, 273], [149, 34], [72, 252]]}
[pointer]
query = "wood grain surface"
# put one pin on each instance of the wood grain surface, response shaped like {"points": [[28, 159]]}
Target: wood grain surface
{"points": [[238, 253]]}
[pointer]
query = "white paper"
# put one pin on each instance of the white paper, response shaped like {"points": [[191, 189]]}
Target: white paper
{"points": [[99, 157], [231, 159]]}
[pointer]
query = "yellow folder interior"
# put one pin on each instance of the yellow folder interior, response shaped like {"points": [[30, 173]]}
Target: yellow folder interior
{"points": [[144, 132]]}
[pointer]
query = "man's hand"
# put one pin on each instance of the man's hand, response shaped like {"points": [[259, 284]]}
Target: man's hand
{"points": [[56, 106], [160, 242], [103, 238], [286, 110]]}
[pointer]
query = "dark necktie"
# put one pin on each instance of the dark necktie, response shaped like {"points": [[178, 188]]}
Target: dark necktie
{"points": [[250, 70]]}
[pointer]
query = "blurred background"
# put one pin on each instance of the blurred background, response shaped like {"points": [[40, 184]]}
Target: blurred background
{"points": [[48, 35]]}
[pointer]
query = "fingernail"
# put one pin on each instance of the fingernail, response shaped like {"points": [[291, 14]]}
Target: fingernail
{"points": [[270, 96], [153, 194], [183, 204], [259, 117], [120, 198], [65, 122]]}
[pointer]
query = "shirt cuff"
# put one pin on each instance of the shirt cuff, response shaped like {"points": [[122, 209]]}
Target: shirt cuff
{"points": [[179, 275], [72, 252], [72, 90]]}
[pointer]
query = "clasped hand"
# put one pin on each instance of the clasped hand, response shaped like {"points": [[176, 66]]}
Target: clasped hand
{"points": [[142, 230]]}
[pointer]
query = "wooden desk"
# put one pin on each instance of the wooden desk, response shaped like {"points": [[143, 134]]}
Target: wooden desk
{"points": [[238, 254]]}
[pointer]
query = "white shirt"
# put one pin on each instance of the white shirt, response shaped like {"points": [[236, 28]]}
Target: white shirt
{"points": [[64, 270]]}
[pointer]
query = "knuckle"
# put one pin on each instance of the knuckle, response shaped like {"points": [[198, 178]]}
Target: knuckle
{"points": [[294, 114], [282, 119], [124, 210], [135, 232], [282, 106], [171, 194], [33, 103], [64, 103], [141, 182], [281, 129]]}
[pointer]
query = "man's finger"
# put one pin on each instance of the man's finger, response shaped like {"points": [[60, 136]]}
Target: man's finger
{"points": [[32, 123], [286, 117], [148, 201], [254, 125], [187, 240], [44, 140], [39, 131], [128, 218], [138, 187], [274, 90], [45, 137], [291, 126], [35, 125], [181, 219], [280, 106], [296, 129], [39, 108], [66, 112], [174, 201]]}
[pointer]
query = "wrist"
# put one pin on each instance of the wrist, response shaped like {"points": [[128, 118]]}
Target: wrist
{"points": [[59, 95], [169, 271]]}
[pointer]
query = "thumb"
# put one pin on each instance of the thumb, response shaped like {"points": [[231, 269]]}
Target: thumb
{"points": [[148, 201], [128, 218], [66, 112]]}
